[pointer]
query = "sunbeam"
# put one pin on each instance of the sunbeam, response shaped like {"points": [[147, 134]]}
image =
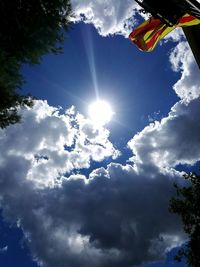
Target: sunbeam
{"points": [[88, 43]]}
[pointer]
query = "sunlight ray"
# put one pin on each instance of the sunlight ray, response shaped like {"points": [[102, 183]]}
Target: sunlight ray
{"points": [[88, 43]]}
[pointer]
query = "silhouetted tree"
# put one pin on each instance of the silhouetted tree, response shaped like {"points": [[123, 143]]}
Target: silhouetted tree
{"points": [[28, 30], [187, 205]]}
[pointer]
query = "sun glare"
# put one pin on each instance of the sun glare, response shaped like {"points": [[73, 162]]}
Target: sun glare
{"points": [[100, 112]]}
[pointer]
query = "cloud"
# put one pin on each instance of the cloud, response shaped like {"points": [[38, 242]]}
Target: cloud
{"points": [[54, 143], [182, 60], [118, 216], [108, 16], [114, 218], [111, 17], [172, 141]]}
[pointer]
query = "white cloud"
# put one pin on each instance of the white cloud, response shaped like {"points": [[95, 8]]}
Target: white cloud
{"points": [[182, 60], [119, 216], [108, 16], [176, 35], [54, 144], [114, 17], [112, 218], [172, 141]]}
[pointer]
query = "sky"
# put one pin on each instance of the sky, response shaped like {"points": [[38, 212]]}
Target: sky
{"points": [[76, 193]]}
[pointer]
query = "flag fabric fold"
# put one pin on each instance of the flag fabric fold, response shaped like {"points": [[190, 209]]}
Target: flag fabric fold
{"points": [[151, 31]]}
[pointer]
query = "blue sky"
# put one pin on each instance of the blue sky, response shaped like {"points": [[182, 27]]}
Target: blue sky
{"points": [[76, 194], [120, 74]]}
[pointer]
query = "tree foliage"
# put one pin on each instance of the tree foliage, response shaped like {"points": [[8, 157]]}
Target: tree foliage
{"points": [[32, 28], [29, 29], [187, 205]]}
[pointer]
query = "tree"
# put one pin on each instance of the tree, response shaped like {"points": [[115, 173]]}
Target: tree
{"points": [[29, 29], [32, 28], [187, 205]]}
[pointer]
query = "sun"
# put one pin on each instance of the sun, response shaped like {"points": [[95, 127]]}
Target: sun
{"points": [[100, 112]]}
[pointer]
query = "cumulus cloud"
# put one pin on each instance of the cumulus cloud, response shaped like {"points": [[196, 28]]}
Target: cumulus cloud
{"points": [[54, 143], [182, 60], [172, 141], [111, 17], [117, 217], [108, 16], [112, 217]]}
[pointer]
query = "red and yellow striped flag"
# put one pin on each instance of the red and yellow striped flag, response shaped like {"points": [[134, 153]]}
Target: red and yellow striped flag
{"points": [[151, 31]]}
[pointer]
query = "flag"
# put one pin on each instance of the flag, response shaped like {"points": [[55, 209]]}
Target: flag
{"points": [[151, 31]]}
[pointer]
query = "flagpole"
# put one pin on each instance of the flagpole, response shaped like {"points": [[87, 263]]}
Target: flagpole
{"points": [[192, 34]]}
